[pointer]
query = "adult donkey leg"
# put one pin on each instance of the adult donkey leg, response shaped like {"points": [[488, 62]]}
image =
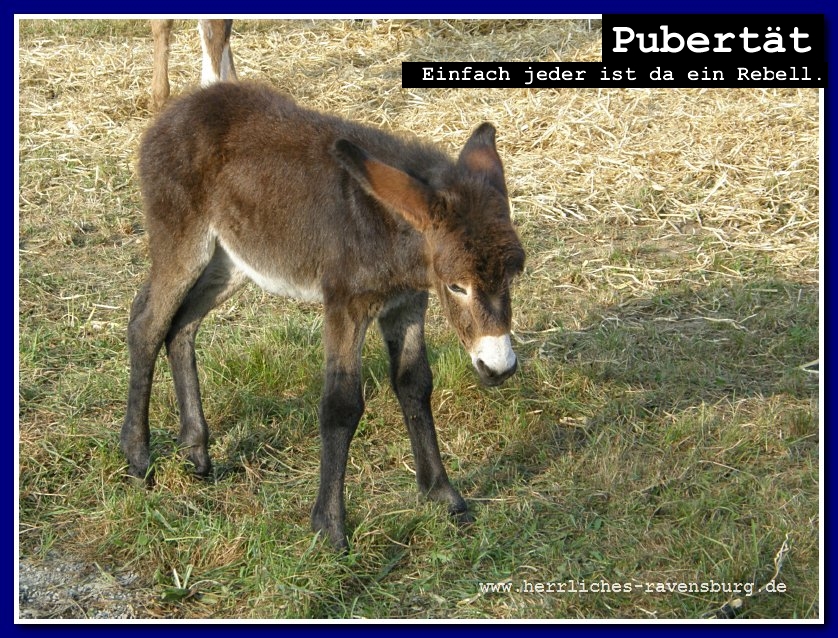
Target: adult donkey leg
{"points": [[341, 407], [216, 284], [161, 31], [217, 64], [403, 329]]}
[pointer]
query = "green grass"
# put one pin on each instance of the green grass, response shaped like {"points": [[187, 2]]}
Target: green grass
{"points": [[660, 429]]}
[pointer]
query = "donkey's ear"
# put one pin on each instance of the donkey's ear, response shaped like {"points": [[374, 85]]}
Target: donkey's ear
{"points": [[394, 188], [480, 156]]}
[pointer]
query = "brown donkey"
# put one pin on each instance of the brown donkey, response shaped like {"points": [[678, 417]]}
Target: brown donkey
{"points": [[238, 183], [217, 65]]}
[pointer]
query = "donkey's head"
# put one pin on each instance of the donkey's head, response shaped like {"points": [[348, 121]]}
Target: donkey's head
{"points": [[472, 250]]}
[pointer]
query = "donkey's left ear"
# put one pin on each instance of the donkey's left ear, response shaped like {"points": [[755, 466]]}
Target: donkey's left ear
{"points": [[480, 156], [400, 192]]}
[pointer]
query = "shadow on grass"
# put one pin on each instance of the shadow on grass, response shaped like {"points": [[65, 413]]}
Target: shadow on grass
{"points": [[688, 346], [654, 356]]}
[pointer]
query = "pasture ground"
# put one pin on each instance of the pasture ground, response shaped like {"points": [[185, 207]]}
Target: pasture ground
{"points": [[663, 427]]}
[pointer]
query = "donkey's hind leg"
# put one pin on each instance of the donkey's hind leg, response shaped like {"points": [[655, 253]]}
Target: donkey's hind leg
{"points": [[216, 284], [152, 312]]}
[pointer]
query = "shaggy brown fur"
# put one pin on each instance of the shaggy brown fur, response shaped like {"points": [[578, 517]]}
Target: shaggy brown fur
{"points": [[240, 182]]}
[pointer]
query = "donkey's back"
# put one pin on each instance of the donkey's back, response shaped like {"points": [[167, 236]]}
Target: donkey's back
{"points": [[249, 126], [248, 168]]}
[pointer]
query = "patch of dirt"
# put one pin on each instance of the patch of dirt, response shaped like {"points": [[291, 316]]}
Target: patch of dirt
{"points": [[59, 587]]}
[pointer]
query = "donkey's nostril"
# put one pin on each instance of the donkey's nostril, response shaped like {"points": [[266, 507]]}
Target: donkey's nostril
{"points": [[491, 377]]}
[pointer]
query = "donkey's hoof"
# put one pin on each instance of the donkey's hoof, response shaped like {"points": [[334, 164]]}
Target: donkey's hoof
{"points": [[141, 477], [200, 460], [201, 469], [463, 517], [332, 532], [340, 545], [457, 506], [337, 542]]}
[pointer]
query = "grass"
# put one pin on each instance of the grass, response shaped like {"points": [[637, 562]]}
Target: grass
{"points": [[660, 430]]}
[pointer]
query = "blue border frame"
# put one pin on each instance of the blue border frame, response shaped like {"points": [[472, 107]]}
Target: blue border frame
{"points": [[362, 7]]}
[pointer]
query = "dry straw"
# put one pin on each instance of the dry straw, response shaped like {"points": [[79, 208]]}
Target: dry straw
{"points": [[738, 165]]}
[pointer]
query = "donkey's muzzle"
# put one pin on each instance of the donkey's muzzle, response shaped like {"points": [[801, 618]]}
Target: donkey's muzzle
{"points": [[494, 359]]}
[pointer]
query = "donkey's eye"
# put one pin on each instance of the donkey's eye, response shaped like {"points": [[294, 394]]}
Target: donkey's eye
{"points": [[457, 290]]}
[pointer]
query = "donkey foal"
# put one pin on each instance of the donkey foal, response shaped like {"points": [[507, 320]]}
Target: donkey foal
{"points": [[238, 183]]}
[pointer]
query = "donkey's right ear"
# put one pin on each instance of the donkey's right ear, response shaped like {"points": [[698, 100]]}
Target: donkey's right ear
{"points": [[398, 191], [480, 156]]}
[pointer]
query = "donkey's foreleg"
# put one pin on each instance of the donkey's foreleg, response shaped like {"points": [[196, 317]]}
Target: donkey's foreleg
{"points": [[341, 407], [411, 378]]}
